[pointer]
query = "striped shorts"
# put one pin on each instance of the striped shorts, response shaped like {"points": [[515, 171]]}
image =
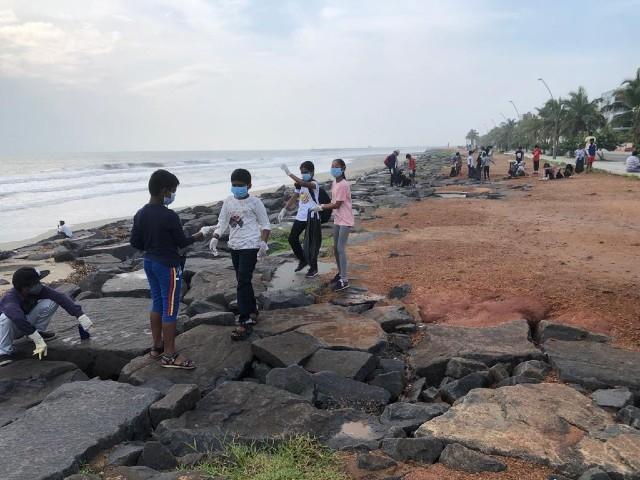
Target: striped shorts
{"points": [[165, 284]]}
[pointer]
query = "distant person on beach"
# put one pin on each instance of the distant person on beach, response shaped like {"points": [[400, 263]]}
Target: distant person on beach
{"points": [[27, 309], [536, 159], [470, 169], [307, 195], [64, 230], [580, 156], [591, 154], [479, 164], [486, 164], [249, 229], [343, 221], [391, 162], [519, 155], [157, 230], [633, 163], [411, 166]]}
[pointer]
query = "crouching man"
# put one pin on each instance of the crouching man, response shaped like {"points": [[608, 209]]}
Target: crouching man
{"points": [[27, 309]]}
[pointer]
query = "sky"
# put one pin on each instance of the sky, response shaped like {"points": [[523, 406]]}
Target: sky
{"points": [[128, 75]]}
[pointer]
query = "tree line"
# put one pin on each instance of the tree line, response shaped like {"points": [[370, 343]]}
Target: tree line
{"points": [[567, 121]]}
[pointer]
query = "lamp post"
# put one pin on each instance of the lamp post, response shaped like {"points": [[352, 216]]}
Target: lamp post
{"points": [[555, 129], [515, 108]]}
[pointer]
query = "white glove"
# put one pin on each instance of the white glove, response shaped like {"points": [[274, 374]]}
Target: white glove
{"points": [[206, 231], [85, 322], [41, 346], [317, 208], [262, 251], [285, 169], [282, 214], [213, 246]]}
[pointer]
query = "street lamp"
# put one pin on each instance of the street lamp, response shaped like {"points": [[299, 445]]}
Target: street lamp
{"points": [[555, 129], [515, 108]]}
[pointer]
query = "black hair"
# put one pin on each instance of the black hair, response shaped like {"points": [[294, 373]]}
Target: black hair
{"points": [[241, 175], [343, 166], [61, 222], [634, 153], [309, 166], [161, 179], [536, 146], [408, 155]]}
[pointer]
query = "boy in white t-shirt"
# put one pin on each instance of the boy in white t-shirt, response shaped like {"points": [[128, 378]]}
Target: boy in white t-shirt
{"points": [[249, 228], [307, 193]]}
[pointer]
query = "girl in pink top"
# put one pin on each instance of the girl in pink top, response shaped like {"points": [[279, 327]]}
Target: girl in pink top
{"points": [[343, 220]]}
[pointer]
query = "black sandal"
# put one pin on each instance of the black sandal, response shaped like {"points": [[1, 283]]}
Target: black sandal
{"points": [[243, 332], [170, 361], [156, 352]]}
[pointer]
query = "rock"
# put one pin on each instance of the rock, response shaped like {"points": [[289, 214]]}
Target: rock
{"points": [[93, 281], [547, 330], [259, 371], [25, 383], [217, 359], [507, 422], [82, 476], [294, 379], [125, 455], [133, 473], [216, 284], [333, 390], [372, 463], [498, 372], [594, 474], [389, 317], [227, 319], [423, 450], [461, 367], [130, 284], [157, 456], [274, 300], [511, 381], [179, 399], [69, 289], [594, 365], [73, 423], [415, 390], [191, 459], [348, 363], [430, 394], [507, 343], [281, 321], [456, 389], [614, 397], [121, 251], [392, 382], [629, 415], [87, 296], [63, 254], [400, 291], [255, 412], [291, 348], [120, 333], [101, 260], [352, 298], [361, 334], [533, 369], [399, 341], [391, 365], [458, 457], [410, 416], [201, 307]]}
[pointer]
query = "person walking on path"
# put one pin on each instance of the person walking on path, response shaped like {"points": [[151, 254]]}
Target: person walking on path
{"points": [[27, 309], [470, 169], [391, 162], [307, 194], [536, 159], [486, 163], [249, 229], [591, 154], [343, 221], [157, 230]]}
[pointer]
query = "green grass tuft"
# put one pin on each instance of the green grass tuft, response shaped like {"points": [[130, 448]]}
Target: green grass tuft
{"points": [[299, 458]]}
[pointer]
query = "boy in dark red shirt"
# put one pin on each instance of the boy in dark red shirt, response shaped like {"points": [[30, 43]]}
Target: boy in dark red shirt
{"points": [[411, 166], [536, 159]]}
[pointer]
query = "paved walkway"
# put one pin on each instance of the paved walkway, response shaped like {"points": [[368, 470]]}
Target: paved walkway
{"points": [[615, 168]]}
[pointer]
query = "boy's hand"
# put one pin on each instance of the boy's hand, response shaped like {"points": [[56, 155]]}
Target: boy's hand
{"points": [[41, 346], [285, 169], [198, 237], [282, 214], [317, 208], [213, 246], [85, 322], [264, 248], [206, 231]]}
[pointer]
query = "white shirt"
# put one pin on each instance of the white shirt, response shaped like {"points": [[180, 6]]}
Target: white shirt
{"points": [[470, 160], [305, 201], [245, 219], [66, 229], [633, 163]]}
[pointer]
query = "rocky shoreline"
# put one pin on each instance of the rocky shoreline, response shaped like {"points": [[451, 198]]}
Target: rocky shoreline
{"points": [[359, 371]]}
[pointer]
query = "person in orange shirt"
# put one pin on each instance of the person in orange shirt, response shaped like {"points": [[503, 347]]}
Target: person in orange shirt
{"points": [[411, 166], [536, 159]]}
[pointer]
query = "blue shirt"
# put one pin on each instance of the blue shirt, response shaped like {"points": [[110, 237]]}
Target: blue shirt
{"points": [[592, 149], [157, 231]]}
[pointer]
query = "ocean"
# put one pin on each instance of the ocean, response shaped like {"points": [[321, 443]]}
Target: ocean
{"points": [[39, 190]]}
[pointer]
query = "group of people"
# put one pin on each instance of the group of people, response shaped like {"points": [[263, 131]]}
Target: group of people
{"points": [[480, 168], [28, 307], [398, 177]]}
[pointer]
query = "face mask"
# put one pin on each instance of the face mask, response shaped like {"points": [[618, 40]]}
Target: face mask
{"points": [[307, 177], [240, 192], [169, 200], [336, 172], [36, 289]]}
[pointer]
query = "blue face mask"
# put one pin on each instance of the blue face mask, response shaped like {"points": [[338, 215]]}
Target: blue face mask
{"points": [[169, 200], [307, 177], [336, 172], [240, 192]]}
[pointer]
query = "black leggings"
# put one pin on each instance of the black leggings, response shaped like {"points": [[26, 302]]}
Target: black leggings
{"points": [[486, 172], [294, 240]]}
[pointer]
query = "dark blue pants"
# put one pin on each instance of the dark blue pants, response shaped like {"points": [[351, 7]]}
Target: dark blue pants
{"points": [[244, 263]]}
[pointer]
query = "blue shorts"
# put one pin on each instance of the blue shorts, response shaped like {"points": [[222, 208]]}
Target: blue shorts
{"points": [[165, 284]]}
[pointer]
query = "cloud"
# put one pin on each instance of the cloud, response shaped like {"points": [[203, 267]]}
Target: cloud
{"points": [[7, 16], [184, 78]]}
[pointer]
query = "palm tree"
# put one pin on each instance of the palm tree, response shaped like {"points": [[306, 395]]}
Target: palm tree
{"points": [[626, 107], [473, 136], [551, 115], [582, 115]]}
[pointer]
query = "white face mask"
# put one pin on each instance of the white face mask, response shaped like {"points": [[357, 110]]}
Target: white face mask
{"points": [[170, 200]]}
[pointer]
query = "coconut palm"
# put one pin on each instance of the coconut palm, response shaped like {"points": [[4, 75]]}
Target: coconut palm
{"points": [[473, 136], [626, 107], [581, 114], [552, 115]]}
